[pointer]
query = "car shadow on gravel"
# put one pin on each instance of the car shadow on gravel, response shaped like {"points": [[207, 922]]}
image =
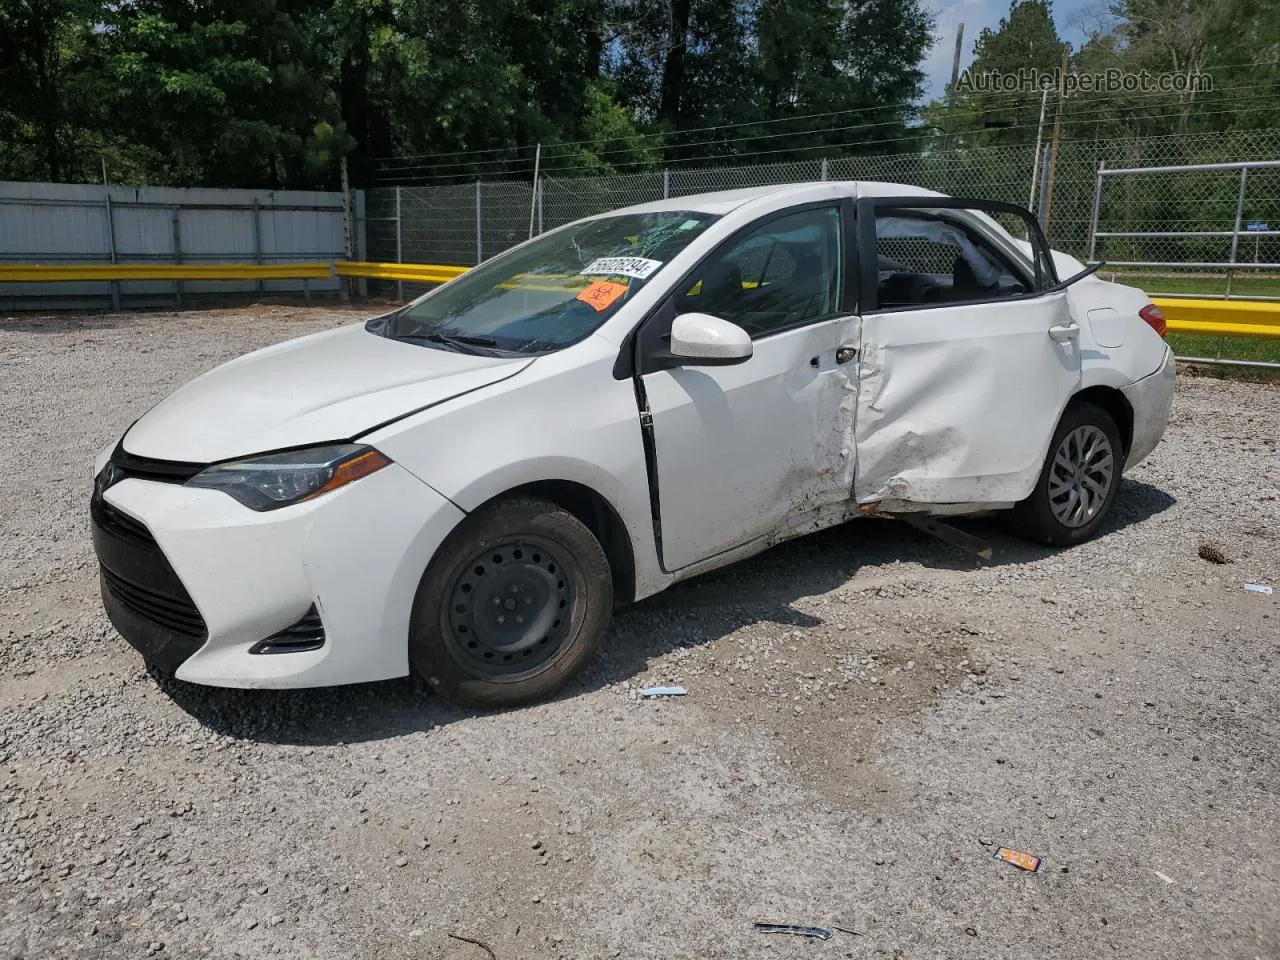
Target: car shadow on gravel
{"points": [[765, 587], [759, 590]]}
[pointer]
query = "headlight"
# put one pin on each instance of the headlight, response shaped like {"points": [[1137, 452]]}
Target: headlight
{"points": [[280, 479]]}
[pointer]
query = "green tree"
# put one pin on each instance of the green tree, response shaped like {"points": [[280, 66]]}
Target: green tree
{"points": [[47, 80], [611, 142], [1236, 43], [748, 62], [1026, 42], [228, 95], [678, 64], [488, 76], [824, 56]]}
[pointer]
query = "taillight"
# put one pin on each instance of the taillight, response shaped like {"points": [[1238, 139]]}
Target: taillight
{"points": [[1154, 317]]}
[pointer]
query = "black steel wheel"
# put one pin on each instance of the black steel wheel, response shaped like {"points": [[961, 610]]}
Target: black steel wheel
{"points": [[515, 601], [508, 610]]}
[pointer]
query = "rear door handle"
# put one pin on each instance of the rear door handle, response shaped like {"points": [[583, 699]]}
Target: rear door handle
{"points": [[1063, 332]]}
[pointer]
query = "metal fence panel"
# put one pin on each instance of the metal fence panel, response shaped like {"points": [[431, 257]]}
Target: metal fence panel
{"points": [[85, 223], [572, 198], [706, 180], [1212, 229], [442, 221]]}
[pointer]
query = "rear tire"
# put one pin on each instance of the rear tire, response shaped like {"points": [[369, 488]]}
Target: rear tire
{"points": [[513, 604], [1078, 482]]}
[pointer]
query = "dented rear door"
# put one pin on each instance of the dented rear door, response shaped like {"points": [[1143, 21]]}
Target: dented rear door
{"points": [[967, 358]]}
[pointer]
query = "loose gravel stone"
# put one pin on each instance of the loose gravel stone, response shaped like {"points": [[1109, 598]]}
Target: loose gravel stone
{"points": [[870, 714]]}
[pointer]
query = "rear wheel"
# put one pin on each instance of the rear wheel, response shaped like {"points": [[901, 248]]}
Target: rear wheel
{"points": [[513, 604], [1078, 482]]}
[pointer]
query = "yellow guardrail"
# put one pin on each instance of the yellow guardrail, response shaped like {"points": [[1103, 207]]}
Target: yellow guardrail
{"points": [[67, 272], [314, 270], [1221, 318], [413, 272]]}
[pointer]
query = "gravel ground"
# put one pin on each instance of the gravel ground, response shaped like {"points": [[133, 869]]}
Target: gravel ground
{"points": [[869, 714]]}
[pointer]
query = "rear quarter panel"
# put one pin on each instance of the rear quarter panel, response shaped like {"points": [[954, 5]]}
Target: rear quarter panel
{"points": [[1118, 347]]}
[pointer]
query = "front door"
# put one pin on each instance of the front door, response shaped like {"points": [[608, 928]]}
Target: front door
{"points": [[741, 449], [969, 355]]}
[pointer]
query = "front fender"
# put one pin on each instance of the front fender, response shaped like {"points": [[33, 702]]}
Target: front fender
{"points": [[563, 418]]}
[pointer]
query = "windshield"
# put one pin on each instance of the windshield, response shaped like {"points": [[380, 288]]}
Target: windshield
{"points": [[553, 292]]}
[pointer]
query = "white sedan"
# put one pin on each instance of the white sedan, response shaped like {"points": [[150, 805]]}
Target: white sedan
{"points": [[465, 487]]}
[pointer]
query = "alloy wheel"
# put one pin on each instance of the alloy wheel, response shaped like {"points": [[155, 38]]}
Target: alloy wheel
{"points": [[1081, 476]]}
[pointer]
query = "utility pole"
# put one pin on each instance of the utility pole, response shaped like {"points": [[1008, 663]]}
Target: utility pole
{"points": [[955, 58], [348, 228], [1057, 139], [951, 91], [1035, 162], [533, 197]]}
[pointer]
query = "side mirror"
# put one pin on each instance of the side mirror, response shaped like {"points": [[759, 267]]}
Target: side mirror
{"points": [[704, 339]]}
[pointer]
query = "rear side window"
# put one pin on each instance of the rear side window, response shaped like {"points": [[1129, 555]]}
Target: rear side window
{"points": [[784, 274], [926, 258]]}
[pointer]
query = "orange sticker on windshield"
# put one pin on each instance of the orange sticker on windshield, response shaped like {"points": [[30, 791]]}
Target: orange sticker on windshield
{"points": [[601, 294]]}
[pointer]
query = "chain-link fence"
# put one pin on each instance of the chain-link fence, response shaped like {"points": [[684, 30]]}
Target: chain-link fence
{"points": [[463, 224], [1203, 230]]}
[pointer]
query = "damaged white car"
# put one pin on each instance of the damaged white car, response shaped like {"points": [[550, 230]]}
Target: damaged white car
{"points": [[467, 486]]}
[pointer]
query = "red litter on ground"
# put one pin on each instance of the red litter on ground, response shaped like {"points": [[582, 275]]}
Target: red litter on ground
{"points": [[1023, 861]]}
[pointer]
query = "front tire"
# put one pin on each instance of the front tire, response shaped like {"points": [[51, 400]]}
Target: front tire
{"points": [[514, 603], [1079, 480]]}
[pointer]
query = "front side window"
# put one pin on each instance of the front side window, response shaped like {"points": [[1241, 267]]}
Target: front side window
{"points": [[925, 258], [781, 275], [550, 294]]}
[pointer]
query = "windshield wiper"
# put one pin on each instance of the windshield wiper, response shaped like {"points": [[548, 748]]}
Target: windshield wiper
{"points": [[456, 341], [461, 338]]}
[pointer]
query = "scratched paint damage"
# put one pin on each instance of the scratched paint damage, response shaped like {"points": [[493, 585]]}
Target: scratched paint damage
{"points": [[915, 425]]}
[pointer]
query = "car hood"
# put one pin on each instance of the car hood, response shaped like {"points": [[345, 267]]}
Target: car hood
{"points": [[329, 386]]}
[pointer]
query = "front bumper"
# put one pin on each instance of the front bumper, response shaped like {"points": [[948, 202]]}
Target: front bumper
{"points": [[1151, 400], [194, 579], [142, 595]]}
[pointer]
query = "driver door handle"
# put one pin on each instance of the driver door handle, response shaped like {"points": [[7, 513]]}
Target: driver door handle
{"points": [[1063, 332], [843, 355]]}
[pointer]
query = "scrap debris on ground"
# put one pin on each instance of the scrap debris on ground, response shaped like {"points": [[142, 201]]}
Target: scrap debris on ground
{"points": [[872, 713]]}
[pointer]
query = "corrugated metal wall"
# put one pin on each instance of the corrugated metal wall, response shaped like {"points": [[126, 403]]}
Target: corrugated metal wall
{"points": [[51, 223]]}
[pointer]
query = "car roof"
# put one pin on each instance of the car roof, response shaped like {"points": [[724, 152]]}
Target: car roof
{"points": [[723, 201]]}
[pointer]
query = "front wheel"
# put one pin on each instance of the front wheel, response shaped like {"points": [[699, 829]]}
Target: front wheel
{"points": [[1078, 482], [515, 601]]}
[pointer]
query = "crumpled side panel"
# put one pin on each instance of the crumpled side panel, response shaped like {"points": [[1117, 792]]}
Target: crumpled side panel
{"points": [[919, 407]]}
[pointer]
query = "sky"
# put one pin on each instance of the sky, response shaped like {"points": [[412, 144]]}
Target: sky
{"points": [[976, 14]]}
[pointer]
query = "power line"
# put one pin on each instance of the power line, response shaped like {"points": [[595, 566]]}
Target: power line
{"points": [[864, 143], [904, 106], [514, 164], [479, 168], [975, 112]]}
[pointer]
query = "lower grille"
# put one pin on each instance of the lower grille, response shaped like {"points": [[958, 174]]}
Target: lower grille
{"points": [[142, 595], [120, 523], [179, 616], [306, 634]]}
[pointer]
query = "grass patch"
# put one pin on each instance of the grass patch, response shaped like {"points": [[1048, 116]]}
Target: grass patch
{"points": [[1228, 348], [1213, 285], [1206, 345]]}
